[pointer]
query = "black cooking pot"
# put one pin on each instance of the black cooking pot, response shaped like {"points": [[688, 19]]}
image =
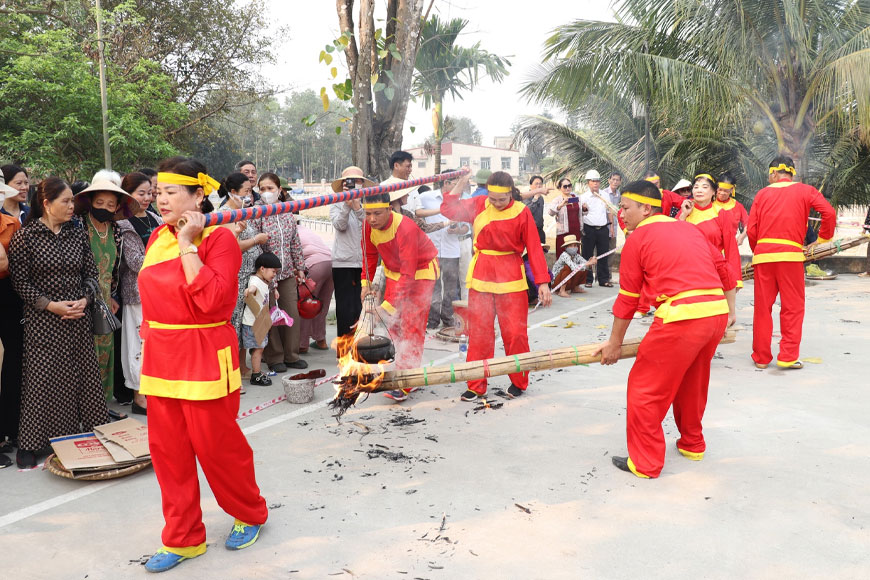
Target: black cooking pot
{"points": [[374, 349]]}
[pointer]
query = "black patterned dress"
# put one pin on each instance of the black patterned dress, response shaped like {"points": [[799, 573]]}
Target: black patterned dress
{"points": [[61, 392]]}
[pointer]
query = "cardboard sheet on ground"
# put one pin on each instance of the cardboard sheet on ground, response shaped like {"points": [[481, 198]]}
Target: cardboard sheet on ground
{"points": [[111, 446]]}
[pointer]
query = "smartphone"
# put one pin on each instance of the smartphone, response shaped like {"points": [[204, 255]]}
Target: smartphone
{"points": [[573, 199]]}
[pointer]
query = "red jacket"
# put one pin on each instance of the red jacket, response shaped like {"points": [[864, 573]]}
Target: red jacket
{"points": [[499, 240], [778, 221], [686, 285], [736, 211], [718, 228]]}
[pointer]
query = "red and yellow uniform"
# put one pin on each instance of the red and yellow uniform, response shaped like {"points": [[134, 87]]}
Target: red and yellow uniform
{"points": [[691, 317], [496, 277], [190, 372], [719, 229], [735, 210], [776, 230], [411, 267]]}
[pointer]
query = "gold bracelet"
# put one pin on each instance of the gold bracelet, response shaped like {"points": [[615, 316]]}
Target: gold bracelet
{"points": [[191, 249]]}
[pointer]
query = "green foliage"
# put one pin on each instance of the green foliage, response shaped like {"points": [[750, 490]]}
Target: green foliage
{"points": [[729, 83], [50, 108]]}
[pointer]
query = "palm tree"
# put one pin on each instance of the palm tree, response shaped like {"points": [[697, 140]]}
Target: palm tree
{"points": [[785, 72], [444, 68]]}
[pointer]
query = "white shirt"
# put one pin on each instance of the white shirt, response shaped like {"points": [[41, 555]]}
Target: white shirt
{"points": [[446, 243], [597, 214], [261, 294], [411, 192]]}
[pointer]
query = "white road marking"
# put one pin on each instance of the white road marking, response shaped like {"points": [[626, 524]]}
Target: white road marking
{"points": [[92, 488]]}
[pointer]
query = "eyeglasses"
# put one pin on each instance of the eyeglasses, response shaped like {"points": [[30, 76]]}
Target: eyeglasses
{"points": [[567, 186]]}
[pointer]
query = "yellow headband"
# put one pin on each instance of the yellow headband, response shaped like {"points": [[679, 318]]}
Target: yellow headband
{"points": [[706, 175], [377, 205], [643, 199], [498, 189], [723, 185], [651, 178], [207, 183], [783, 167]]}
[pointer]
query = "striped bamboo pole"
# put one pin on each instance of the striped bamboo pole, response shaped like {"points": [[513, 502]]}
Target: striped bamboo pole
{"points": [[260, 211], [819, 251]]}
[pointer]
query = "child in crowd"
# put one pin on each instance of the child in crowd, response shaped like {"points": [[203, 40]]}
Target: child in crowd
{"points": [[266, 267]]}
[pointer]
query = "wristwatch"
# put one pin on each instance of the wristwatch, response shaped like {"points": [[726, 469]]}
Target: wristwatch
{"points": [[191, 249]]}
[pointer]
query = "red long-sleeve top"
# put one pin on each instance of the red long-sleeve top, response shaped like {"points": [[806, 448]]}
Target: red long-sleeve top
{"points": [[778, 221], [686, 285], [406, 252], [191, 351], [718, 228], [736, 212], [500, 236]]}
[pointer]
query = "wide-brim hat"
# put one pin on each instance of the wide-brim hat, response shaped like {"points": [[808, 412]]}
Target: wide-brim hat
{"points": [[352, 172], [570, 239], [128, 205], [6, 190], [682, 184]]}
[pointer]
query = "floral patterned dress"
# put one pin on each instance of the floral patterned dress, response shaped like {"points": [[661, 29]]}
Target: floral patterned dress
{"points": [[248, 258], [105, 248]]}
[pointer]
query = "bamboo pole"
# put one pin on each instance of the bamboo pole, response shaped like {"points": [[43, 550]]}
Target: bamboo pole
{"points": [[530, 361], [819, 251]]}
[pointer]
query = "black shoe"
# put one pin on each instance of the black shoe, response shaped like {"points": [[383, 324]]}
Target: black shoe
{"points": [[469, 396], [260, 379], [432, 326], [621, 463], [137, 410], [25, 459], [116, 416], [4, 461], [297, 364], [514, 391], [279, 367]]}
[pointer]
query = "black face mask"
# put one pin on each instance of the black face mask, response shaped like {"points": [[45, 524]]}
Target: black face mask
{"points": [[102, 215]]}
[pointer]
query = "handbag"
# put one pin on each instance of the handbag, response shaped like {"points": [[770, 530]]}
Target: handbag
{"points": [[102, 319], [308, 305]]}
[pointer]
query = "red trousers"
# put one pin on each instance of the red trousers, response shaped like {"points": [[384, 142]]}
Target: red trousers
{"points": [[787, 280], [408, 324], [513, 313], [180, 432], [658, 380]]}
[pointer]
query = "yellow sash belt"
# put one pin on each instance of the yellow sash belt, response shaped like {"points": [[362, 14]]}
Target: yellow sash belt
{"points": [[670, 313], [780, 241], [154, 324], [477, 253]]}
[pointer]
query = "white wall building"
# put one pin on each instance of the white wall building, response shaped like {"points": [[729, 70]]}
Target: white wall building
{"points": [[456, 155]]}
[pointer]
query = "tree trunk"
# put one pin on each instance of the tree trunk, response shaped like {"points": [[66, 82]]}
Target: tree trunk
{"points": [[378, 122], [439, 131]]}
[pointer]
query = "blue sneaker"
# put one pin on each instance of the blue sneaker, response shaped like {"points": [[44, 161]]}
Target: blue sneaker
{"points": [[242, 536], [164, 560]]}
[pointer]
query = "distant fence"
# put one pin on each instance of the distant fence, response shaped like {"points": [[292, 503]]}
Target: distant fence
{"points": [[324, 226]]}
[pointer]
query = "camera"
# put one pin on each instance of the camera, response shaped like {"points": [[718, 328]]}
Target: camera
{"points": [[350, 183]]}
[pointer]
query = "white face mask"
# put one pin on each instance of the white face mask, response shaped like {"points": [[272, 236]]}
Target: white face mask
{"points": [[246, 201], [269, 196], [215, 198], [572, 251]]}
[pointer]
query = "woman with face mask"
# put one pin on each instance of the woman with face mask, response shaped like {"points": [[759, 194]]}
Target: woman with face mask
{"points": [[282, 351], [99, 206], [238, 193]]}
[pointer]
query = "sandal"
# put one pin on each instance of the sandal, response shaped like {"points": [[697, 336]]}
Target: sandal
{"points": [[607, 285], [315, 345], [588, 284], [864, 275], [116, 416]]}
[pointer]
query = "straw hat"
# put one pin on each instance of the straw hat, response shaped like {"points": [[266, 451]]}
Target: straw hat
{"points": [[128, 205], [5, 190], [351, 172], [570, 239], [682, 183]]}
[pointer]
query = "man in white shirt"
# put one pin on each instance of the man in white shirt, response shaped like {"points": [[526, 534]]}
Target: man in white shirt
{"points": [[612, 194], [400, 165], [447, 242], [596, 228]]}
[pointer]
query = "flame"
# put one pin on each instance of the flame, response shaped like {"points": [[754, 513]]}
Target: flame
{"points": [[357, 377]]}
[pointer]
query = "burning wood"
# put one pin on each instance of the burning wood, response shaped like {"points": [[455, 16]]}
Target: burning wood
{"points": [[819, 251], [361, 379]]}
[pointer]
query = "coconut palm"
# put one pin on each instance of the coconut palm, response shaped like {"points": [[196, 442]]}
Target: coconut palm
{"points": [[786, 72], [444, 68]]}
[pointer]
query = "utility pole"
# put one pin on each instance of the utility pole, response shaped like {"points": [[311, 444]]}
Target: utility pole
{"points": [[647, 137], [104, 98]]}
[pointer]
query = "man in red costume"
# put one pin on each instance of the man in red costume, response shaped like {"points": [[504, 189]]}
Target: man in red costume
{"points": [[695, 299], [496, 279], [411, 266], [777, 227]]}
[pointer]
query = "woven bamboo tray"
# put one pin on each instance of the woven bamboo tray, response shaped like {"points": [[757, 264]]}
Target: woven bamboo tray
{"points": [[53, 464]]}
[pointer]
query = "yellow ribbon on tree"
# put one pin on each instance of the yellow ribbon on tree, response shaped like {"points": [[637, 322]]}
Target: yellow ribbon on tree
{"points": [[208, 184], [643, 199], [498, 189], [783, 167]]}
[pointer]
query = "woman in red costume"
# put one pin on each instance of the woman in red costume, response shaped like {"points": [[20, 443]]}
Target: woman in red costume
{"points": [[717, 225], [496, 279], [726, 200], [190, 368]]}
